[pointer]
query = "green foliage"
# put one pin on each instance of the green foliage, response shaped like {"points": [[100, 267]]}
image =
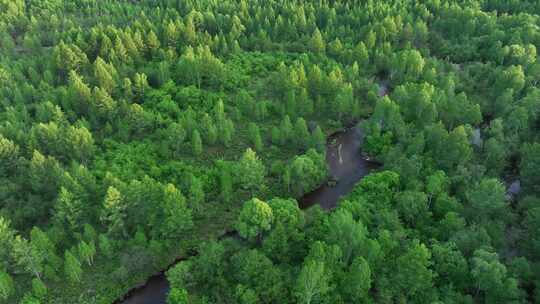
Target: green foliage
{"points": [[68, 209], [7, 286], [312, 283], [255, 137], [318, 140], [87, 252], [317, 44], [255, 218], [113, 212], [7, 237], [307, 172], [251, 172], [529, 167], [39, 290], [490, 277], [124, 128], [413, 275], [357, 282], [348, 234], [196, 143], [177, 215], [72, 268]]}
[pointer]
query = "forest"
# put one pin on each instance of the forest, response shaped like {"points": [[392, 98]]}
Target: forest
{"points": [[137, 132]]}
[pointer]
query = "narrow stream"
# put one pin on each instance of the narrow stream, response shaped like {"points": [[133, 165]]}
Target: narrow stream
{"points": [[347, 166]]}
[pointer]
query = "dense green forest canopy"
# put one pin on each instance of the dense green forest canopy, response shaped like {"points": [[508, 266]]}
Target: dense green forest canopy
{"points": [[134, 132]]}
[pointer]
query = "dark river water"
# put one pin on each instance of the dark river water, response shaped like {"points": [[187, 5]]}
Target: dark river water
{"points": [[347, 166]]}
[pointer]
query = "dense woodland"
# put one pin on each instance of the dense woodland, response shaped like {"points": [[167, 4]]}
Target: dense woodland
{"points": [[135, 132]]}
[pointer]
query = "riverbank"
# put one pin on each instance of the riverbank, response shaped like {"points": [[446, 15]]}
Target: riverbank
{"points": [[346, 164]]}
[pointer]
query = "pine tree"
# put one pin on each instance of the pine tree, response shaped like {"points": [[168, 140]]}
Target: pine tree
{"points": [[196, 143], [87, 252], [286, 129], [228, 132], [80, 143], [105, 47], [196, 194], [335, 48], [209, 129], [255, 136], [226, 184], [171, 34], [72, 268], [286, 178], [301, 133], [31, 261], [190, 32], [68, 58], [219, 113], [120, 51], [113, 212], [80, 93], [276, 136], [103, 106], [68, 210], [317, 44], [176, 135], [106, 246], [304, 103], [140, 85], [251, 172], [89, 233], [130, 45], [361, 54], [139, 41], [177, 215], [152, 42], [127, 88], [370, 40], [9, 155], [318, 139], [290, 103]]}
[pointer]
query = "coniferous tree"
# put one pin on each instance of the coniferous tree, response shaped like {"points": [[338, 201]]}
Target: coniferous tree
{"points": [[226, 184], [87, 252], [113, 213], [68, 210], [317, 44], [286, 129], [251, 172], [72, 268], [318, 140], [178, 216], [152, 42], [196, 194], [196, 143], [103, 76], [255, 136]]}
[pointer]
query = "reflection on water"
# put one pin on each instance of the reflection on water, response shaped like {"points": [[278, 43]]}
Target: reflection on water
{"points": [[347, 166]]}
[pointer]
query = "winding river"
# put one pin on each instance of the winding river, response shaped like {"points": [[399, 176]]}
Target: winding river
{"points": [[347, 166]]}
